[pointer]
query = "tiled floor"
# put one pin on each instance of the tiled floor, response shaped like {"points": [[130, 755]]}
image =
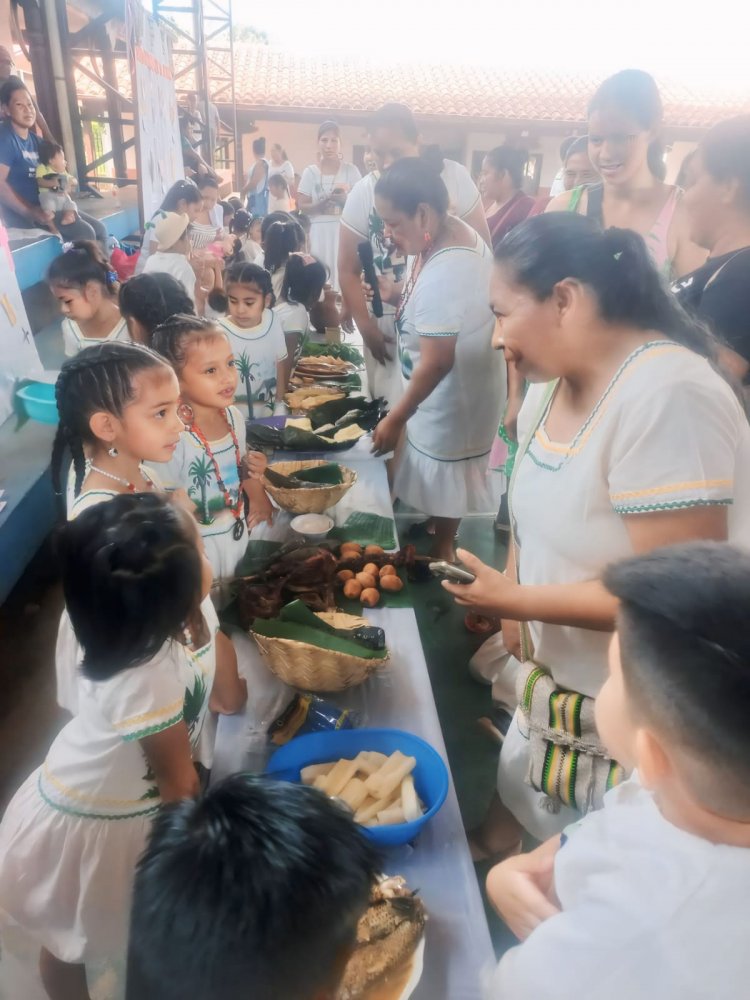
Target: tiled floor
{"points": [[29, 716]]}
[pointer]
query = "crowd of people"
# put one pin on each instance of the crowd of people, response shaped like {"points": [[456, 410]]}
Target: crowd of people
{"points": [[583, 358]]}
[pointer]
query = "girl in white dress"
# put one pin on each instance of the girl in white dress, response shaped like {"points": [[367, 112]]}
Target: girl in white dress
{"points": [[455, 381], [136, 585], [257, 339], [304, 279], [629, 440], [281, 236], [210, 461], [118, 409], [85, 286], [322, 193]]}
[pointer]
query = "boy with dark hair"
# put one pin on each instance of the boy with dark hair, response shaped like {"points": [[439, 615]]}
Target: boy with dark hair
{"points": [[55, 183], [648, 898], [252, 892]]}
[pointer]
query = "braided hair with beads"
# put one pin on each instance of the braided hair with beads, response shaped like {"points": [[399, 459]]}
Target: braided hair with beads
{"points": [[99, 379]]}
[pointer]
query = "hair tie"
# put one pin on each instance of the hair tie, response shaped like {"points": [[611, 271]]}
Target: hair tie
{"points": [[112, 277], [616, 256], [67, 247]]}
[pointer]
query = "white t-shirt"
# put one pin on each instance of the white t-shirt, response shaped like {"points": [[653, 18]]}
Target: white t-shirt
{"points": [[175, 264], [360, 217], [668, 433], [317, 185], [286, 170], [459, 418], [257, 351], [650, 912], [96, 766], [293, 317], [74, 339]]}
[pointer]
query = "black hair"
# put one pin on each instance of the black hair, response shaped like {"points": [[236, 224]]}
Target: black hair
{"points": [[131, 577], [172, 337], [242, 273], [579, 145], [259, 146], [685, 651], [152, 298], [725, 152], [227, 209], [206, 180], [180, 191], [279, 179], [303, 282], [99, 379], [85, 261], [396, 117], [235, 202], [304, 220], [635, 92], [241, 222], [614, 264], [48, 149], [281, 239], [512, 161], [8, 89], [411, 182], [270, 877], [682, 173], [281, 150], [565, 147], [268, 221]]}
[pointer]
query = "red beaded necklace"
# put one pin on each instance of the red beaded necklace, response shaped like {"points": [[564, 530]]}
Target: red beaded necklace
{"points": [[236, 508]]}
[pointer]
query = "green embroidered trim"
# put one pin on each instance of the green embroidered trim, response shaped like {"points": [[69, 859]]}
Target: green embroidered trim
{"points": [[447, 333], [671, 505], [158, 728], [84, 815], [446, 461]]}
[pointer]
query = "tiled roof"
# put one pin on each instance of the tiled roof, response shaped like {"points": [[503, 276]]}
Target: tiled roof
{"points": [[270, 79]]}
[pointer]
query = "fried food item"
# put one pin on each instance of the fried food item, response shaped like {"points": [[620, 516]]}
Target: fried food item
{"points": [[393, 583], [387, 936], [366, 579], [372, 569], [387, 570], [374, 550], [369, 596], [353, 589], [350, 549], [344, 574]]}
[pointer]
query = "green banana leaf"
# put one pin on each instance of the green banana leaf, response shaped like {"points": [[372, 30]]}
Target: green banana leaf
{"points": [[329, 474], [263, 438], [367, 529], [277, 629], [344, 351], [343, 412], [369, 636]]}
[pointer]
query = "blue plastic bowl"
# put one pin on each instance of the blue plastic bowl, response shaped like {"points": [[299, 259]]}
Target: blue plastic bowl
{"points": [[39, 402], [430, 774]]}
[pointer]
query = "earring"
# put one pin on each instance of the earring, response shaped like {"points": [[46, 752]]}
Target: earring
{"points": [[187, 636], [186, 415], [113, 452]]}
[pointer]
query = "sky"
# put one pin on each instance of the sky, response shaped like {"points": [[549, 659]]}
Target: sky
{"points": [[683, 39]]}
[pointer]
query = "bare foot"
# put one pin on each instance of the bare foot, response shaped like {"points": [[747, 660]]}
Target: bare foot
{"points": [[68, 218]]}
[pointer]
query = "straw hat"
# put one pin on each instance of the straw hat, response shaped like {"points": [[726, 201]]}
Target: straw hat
{"points": [[169, 228]]}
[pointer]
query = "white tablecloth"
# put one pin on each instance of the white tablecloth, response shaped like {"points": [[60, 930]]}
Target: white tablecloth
{"points": [[458, 946]]}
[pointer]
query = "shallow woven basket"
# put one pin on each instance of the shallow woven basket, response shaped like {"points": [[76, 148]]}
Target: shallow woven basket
{"points": [[312, 500], [311, 668]]}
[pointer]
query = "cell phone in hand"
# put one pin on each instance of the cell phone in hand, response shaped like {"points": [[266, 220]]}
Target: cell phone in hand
{"points": [[456, 574], [364, 249]]}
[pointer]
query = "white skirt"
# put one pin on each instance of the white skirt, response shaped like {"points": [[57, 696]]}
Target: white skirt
{"points": [[446, 489], [67, 880], [324, 244], [536, 812]]}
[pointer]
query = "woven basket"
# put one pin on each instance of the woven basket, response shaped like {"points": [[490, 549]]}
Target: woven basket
{"points": [[308, 500], [311, 668]]}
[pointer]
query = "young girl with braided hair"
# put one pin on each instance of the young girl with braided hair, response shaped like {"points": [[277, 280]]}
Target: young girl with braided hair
{"points": [[85, 286], [210, 461], [147, 300], [136, 585]]}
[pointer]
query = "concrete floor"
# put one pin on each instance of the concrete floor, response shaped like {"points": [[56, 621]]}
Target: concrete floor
{"points": [[30, 717]]}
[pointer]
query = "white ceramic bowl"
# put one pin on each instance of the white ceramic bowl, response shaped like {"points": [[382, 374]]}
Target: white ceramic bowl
{"points": [[314, 527]]}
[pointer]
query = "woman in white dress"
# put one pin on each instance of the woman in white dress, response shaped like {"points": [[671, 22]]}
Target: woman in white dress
{"points": [[322, 193], [136, 587], [455, 381], [279, 164], [629, 440]]}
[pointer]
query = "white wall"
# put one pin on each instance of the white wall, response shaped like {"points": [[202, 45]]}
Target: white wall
{"points": [[299, 139]]}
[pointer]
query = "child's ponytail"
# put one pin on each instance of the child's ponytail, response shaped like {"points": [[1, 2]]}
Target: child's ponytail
{"points": [[304, 278], [98, 379], [282, 239], [82, 262]]}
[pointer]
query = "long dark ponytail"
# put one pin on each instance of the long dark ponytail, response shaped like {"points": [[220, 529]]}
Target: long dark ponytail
{"points": [[614, 264], [99, 378]]}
